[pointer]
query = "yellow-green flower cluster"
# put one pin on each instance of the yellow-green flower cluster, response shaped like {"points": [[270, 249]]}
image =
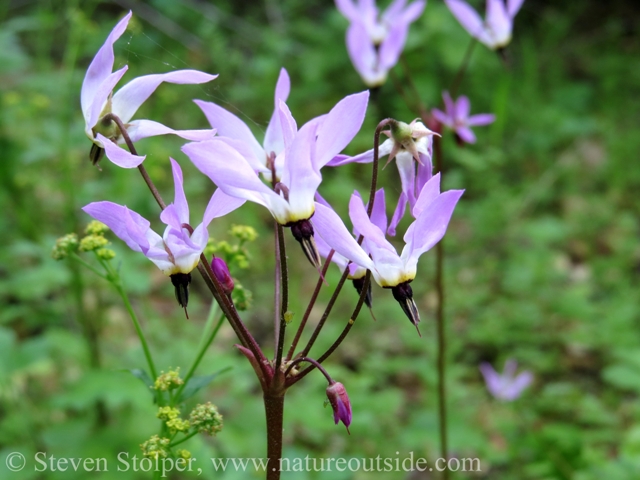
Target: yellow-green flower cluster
{"points": [[96, 228], [244, 233], [206, 418], [64, 246], [93, 242], [182, 453], [156, 447], [168, 381]]}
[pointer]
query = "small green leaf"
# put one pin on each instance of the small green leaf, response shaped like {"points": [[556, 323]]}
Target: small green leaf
{"points": [[143, 376], [197, 382]]}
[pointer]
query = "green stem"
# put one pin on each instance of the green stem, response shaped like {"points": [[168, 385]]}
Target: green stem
{"points": [[198, 359], [184, 439]]}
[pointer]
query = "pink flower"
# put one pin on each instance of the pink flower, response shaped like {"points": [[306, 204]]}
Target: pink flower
{"points": [[506, 386], [375, 42], [97, 100], [456, 117]]}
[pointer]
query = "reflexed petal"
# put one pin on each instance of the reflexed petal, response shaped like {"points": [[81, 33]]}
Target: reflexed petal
{"points": [[514, 389], [425, 169], [362, 223], [430, 227], [449, 105], [467, 16], [428, 194], [139, 129], [219, 205], [339, 127], [119, 156], [330, 227], [481, 119], [348, 9], [463, 107], [393, 12], [231, 172], [407, 170], [466, 134], [229, 125], [258, 165], [169, 216], [513, 7], [392, 46], [491, 378], [300, 175], [401, 208], [128, 99], [113, 216], [442, 117], [413, 11], [101, 66], [273, 141], [100, 98], [498, 22], [180, 200], [379, 212], [287, 124], [363, 55]]}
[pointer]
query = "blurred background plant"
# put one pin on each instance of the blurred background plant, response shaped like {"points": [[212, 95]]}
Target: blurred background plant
{"points": [[543, 251]]}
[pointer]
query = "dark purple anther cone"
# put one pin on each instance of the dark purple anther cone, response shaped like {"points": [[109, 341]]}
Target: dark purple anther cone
{"points": [[358, 283], [181, 283], [303, 233], [404, 296], [221, 271], [96, 154]]}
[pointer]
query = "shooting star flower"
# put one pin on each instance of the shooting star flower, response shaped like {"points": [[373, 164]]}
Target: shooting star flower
{"points": [[495, 30], [177, 251], [100, 105], [374, 42], [433, 211], [291, 200], [506, 386], [456, 117], [411, 146]]}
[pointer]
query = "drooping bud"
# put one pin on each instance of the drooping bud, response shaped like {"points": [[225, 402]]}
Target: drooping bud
{"points": [[221, 271], [404, 296], [358, 284], [339, 400], [303, 233], [181, 283]]}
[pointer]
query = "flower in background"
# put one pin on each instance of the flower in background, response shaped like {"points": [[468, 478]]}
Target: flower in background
{"points": [[506, 386], [339, 400], [375, 42], [290, 201], [410, 145], [495, 31], [456, 117], [433, 210], [178, 251], [236, 132], [97, 101]]}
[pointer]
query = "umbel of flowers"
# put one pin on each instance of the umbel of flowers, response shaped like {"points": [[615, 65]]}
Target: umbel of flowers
{"points": [[282, 172]]}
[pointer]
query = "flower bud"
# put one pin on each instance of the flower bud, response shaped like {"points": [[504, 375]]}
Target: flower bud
{"points": [[206, 418], [221, 271], [339, 401]]}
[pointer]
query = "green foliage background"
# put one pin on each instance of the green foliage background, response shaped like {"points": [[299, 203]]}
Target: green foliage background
{"points": [[543, 254]]}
